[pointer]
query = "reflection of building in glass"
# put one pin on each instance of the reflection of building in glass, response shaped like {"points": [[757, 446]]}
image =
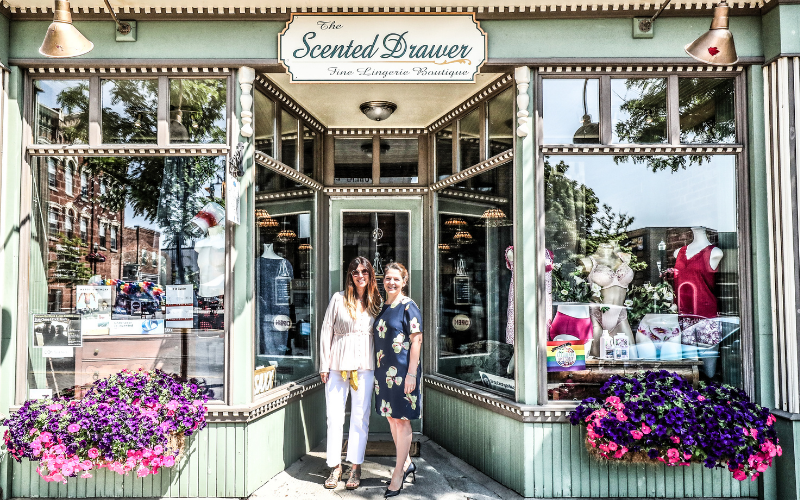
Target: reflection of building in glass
{"points": [[140, 254]]}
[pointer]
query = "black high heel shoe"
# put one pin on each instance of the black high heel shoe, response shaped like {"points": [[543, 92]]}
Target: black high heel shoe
{"points": [[411, 469], [392, 493]]}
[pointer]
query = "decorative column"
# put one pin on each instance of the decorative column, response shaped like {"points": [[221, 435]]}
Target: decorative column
{"points": [[246, 77]]}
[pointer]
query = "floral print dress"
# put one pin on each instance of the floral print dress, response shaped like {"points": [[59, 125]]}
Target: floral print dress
{"points": [[392, 331]]}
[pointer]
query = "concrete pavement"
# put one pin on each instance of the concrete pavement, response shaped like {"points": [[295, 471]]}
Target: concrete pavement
{"points": [[440, 475]]}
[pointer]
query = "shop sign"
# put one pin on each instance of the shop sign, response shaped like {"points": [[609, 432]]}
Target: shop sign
{"points": [[461, 322], [263, 380], [382, 48]]}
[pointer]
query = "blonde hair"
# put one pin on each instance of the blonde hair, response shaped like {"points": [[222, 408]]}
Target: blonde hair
{"points": [[371, 300], [403, 273]]}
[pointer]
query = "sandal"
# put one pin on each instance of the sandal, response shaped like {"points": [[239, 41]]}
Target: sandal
{"points": [[334, 478], [355, 479]]}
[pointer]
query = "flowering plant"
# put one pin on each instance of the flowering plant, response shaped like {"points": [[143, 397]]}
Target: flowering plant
{"points": [[131, 421], [572, 287], [660, 416]]}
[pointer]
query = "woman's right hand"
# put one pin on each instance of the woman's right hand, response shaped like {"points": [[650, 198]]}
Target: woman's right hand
{"points": [[324, 377]]}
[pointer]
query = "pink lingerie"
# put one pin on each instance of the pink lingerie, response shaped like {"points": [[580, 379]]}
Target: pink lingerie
{"points": [[567, 325]]}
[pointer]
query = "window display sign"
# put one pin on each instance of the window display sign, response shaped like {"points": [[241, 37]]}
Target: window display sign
{"points": [[57, 329], [180, 306], [263, 380], [94, 306], [383, 48], [563, 356], [137, 326]]}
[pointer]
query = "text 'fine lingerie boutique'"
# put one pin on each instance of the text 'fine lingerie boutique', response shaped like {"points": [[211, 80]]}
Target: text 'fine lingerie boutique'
{"points": [[578, 190]]}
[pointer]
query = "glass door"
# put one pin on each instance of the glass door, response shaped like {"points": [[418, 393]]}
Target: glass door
{"points": [[384, 230]]}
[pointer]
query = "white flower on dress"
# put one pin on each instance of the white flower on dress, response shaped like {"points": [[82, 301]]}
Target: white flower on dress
{"points": [[398, 343], [377, 386], [380, 356], [382, 328], [414, 325], [392, 378], [413, 400], [386, 409]]}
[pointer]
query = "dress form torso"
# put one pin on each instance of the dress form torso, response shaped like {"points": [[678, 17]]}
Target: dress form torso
{"points": [[696, 265]]}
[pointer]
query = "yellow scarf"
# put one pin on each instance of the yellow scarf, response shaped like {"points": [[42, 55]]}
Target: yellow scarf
{"points": [[353, 378]]}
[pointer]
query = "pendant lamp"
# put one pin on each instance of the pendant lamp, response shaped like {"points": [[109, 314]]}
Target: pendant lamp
{"points": [[63, 39], [716, 45]]}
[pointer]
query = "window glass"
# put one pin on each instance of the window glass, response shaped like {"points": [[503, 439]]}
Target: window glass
{"points": [[61, 110], [155, 303], [476, 312], [289, 139], [501, 122], [639, 110], [571, 111], [84, 183], [68, 180], [52, 219], [309, 151], [399, 160], [444, 152], [197, 111], [51, 174], [707, 110], [661, 278], [469, 139], [68, 218], [352, 161], [285, 315], [130, 111], [264, 124]]}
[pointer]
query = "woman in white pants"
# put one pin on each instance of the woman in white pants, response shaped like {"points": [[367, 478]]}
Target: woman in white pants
{"points": [[346, 366]]}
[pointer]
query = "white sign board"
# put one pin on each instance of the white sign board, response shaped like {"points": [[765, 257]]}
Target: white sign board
{"points": [[382, 48]]}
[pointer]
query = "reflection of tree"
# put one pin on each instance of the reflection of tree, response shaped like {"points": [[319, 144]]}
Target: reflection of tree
{"points": [[167, 191], [68, 267], [574, 224], [706, 117], [74, 102]]}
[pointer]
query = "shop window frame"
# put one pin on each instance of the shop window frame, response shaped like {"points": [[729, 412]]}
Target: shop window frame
{"points": [[376, 135], [673, 147], [95, 148]]}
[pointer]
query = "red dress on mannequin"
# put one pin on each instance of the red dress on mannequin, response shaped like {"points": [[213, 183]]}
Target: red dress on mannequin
{"points": [[694, 283]]}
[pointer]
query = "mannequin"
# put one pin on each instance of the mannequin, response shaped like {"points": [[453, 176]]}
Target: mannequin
{"points": [[274, 282], [211, 262], [269, 253], [696, 265], [610, 270]]}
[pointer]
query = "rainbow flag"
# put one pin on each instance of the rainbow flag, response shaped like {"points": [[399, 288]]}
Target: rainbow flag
{"points": [[565, 356]]}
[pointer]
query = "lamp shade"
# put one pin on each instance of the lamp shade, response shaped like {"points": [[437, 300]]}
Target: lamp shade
{"points": [[62, 38], [378, 110], [716, 45]]}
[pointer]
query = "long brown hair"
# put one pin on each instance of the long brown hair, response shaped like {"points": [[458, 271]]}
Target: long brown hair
{"points": [[403, 274], [371, 300]]}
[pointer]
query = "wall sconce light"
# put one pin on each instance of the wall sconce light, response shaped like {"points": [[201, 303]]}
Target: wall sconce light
{"points": [[378, 110], [716, 45], [62, 38]]}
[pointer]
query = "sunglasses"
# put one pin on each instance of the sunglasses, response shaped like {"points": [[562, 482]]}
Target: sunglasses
{"points": [[356, 273]]}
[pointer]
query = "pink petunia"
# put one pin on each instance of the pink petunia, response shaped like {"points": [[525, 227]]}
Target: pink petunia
{"points": [[636, 434], [739, 475], [621, 416], [645, 429], [612, 446], [701, 398], [675, 439], [86, 475], [93, 453], [54, 407], [672, 453], [73, 428], [754, 433]]}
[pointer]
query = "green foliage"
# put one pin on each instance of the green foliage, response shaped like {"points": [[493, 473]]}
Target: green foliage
{"points": [[69, 266], [650, 299], [74, 102]]}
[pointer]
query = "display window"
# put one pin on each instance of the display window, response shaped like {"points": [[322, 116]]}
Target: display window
{"points": [[154, 301], [642, 252], [61, 112], [475, 280], [284, 283]]}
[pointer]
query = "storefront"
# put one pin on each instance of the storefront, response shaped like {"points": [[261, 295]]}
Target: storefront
{"points": [[187, 197]]}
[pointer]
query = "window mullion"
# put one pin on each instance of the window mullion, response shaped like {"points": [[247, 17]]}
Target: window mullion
{"points": [[456, 146], [673, 111], [163, 111], [95, 106], [483, 135], [376, 159], [605, 109]]}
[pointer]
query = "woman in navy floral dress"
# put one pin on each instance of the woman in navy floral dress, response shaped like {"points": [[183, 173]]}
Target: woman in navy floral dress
{"points": [[398, 341]]}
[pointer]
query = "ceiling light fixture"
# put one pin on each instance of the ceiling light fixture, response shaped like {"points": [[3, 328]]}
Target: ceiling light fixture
{"points": [[715, 46], [62, 38], [494, 217], [122, 27], [378, 110]]}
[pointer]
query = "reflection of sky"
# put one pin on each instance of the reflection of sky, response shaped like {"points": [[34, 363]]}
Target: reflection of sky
{"points": [[703, 195], [563, 107], [52, 88]]}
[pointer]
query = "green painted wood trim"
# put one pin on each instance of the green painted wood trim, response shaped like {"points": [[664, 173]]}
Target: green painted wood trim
{"points": [[779, 31], [161, 40], [5, 38], [787, 467], [10, 172], [241, 345], [526, 255]]}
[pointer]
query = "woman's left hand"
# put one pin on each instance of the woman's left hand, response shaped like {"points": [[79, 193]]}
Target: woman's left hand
{"points": [[411, 384]]}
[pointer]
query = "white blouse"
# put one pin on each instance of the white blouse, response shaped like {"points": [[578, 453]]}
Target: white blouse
{"points": [[345, 343]]}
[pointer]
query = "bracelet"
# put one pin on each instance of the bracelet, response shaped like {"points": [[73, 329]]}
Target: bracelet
{"points": [[409, 374]]}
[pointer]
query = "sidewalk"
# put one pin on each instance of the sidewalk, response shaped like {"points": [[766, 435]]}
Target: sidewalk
{"points": [[440, 475]]}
